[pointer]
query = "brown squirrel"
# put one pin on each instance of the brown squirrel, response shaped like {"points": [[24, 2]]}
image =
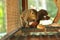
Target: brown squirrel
{"points": [[27, 16]]}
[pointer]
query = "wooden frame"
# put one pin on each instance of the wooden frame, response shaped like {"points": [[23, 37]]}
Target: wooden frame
{"points": [[57, 18], [13, 13], [24, 4]]}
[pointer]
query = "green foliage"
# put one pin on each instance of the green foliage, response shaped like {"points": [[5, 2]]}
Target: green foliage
{"points": [[1, 12], [31, 3], [2, 23], [51, 8], [20, 5]]}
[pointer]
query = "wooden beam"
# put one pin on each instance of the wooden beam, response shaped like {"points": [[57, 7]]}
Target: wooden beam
{"points": [[24, 4], [57, 18], [12, 14]]}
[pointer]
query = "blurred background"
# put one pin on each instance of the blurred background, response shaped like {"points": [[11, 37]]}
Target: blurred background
{"points": [[2, 18]]}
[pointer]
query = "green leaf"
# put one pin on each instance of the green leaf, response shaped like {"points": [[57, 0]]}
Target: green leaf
{"points": [[1, 12]]}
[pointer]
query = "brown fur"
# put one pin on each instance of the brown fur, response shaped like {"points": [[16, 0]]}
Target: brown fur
{"points": [[27, 16], [40, 15]]}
